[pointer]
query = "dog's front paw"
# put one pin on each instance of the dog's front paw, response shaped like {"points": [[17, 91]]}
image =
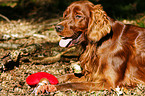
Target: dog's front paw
{"points": [[51, 88], [40, 89], [45, 88]]}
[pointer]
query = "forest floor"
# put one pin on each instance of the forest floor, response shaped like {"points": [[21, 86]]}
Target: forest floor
{"points": [[22, 41]]}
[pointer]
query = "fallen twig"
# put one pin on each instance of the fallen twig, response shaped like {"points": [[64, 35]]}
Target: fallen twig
{"points": [[5, 18], [51, 59]]}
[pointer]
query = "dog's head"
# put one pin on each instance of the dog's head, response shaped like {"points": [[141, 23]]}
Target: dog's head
{"points": [[82, 21]]}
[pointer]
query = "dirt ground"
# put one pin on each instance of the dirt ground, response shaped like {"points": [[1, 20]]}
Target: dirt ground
{"points": [[24, 45]]}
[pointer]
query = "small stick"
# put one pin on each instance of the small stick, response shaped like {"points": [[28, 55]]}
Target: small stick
{"points": [[52, 59], [5, 18]]}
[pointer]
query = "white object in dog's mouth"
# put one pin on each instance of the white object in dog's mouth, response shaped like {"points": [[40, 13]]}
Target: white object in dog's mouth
{"points": [[64, 42]]}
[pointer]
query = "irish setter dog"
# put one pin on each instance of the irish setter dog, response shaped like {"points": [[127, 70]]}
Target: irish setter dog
{"points": [[114, 53]]}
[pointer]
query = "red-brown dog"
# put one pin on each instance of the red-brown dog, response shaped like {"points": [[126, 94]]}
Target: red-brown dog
{"points": [[114, 53]]}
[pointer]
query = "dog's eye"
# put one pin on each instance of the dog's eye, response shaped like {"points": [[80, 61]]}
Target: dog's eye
{"points": [[65, 15], [78, 16]]}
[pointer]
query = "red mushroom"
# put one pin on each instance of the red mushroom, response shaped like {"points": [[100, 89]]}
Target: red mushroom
{"points": [[35, 78]]}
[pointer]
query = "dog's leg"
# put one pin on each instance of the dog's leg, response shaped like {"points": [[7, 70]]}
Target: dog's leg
{"points": [[68, 78], [73, 82], [81, 86]]}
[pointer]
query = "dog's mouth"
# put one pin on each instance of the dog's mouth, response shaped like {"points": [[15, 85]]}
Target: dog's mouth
{"points": [[70, 41]]}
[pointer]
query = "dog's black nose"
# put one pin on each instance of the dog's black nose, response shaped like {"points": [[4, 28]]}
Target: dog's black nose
{"points": [[59, 28]]}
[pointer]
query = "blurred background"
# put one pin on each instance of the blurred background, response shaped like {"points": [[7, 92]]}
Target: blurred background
{"points": [[15, 9]]}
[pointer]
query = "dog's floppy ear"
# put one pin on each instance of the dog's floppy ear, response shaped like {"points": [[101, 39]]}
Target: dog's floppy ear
{"points": [[99, 24]]}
